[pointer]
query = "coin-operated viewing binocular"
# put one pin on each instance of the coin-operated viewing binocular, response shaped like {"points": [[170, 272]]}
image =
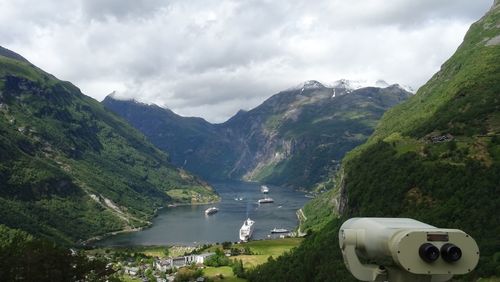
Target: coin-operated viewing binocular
{"points": [[404, 249]]}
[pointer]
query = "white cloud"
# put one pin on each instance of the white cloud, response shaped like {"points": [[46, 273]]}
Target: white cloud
{"points": [[210, 58]]}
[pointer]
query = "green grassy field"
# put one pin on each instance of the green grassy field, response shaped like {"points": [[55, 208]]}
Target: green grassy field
{"points": [[226, 271], [264, 249], [261, 250], [126, 278]]}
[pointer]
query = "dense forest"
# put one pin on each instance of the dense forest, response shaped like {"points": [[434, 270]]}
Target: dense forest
{"points": [[25, 258]]}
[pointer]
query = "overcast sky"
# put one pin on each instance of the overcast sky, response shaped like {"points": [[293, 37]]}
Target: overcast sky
{"points": [[210, 58]]}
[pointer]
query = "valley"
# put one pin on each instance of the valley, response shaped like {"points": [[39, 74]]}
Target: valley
{"points": [[121, 189]]}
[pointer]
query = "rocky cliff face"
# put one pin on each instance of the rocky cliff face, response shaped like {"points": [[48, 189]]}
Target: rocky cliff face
{"points": [[295, 138]]}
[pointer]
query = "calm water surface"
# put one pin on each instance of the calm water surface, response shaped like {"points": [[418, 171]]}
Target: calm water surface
{"points": [[188, 225]]}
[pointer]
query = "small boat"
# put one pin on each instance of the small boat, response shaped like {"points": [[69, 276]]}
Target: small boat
{"points": [[264, 189], [246, 230], [266, 200], [279, 230], [211, 210]]}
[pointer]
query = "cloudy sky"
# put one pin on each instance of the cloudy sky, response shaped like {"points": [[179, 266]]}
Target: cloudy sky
{"points": [[210, 58]]}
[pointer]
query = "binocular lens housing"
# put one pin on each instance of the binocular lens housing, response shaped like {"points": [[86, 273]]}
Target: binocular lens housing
{"points": [[428, 252], [450, 252]]}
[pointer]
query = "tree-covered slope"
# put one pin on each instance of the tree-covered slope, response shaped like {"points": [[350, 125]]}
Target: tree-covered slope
{"points": [[70, 169], [435, 158], [25, 258], [192, 143], [296, 137]]}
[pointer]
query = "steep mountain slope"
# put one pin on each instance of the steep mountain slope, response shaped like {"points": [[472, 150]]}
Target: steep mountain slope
{"points": [[296, 137], [435, 158], [69, 169], [192, 143]]}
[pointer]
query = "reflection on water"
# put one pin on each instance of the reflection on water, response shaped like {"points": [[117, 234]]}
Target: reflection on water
{"points": [[188, 225]]}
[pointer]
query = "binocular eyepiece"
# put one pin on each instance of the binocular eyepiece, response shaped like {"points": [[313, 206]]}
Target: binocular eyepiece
{"points": [[449, 252]]}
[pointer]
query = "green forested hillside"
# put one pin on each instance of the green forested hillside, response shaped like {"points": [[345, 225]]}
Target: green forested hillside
{"points": [[69, 169], [25, 258], [435, 158]]}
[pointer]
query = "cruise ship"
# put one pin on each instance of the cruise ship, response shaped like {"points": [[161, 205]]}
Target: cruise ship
{"points": [[264, 189], [246, 230], [279, 230], [211, 210], [266, 200]]}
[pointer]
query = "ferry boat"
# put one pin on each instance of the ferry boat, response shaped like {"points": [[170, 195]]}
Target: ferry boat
{"points": [[279, 230], [264, 189], [266, 200], [246, 230], [211, 210]]}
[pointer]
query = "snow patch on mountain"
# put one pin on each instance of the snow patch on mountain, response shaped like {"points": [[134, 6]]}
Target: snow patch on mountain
{"points": [[351, 85], [307, 85]]}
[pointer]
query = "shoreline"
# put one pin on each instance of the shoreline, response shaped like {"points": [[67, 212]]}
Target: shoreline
{"points": [[98, 240], [189, 204], [89, 241]]}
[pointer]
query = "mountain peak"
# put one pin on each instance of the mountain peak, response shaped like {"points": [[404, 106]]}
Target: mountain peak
{"points": [[405, 87], [116, 96], [11, 54], [348, 84], [312, 84], [308, 85], [352, 85]]}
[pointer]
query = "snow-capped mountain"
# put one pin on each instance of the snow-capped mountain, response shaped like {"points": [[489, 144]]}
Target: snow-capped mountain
{"points": [[307, 85], [352, 85]]}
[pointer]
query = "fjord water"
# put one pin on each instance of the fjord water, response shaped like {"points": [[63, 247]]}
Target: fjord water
{"points": [[188, 225]]}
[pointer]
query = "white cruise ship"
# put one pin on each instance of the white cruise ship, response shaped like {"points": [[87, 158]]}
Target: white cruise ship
{"points": [[279, 230], [246, 230], [264, 189], [266, 200], [211, 210]]}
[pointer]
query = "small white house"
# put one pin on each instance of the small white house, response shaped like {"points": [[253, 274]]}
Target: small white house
{"points": [[202, 257]]}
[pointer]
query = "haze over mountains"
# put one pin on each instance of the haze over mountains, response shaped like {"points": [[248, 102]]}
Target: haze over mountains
{"points": [[296, 137]]}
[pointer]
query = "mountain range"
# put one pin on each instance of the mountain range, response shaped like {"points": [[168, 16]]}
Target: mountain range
{"points": [[297, 137], [70, 169]]}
